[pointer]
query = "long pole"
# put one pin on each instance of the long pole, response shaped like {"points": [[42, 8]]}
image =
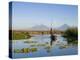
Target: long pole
{"points": [[51, 29]]}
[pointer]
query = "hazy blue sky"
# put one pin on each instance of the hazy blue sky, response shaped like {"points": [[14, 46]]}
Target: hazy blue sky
{"points": [[30, 14]]}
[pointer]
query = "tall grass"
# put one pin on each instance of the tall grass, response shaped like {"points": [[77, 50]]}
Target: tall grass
{"points": [[20, 35], [71, 34]]}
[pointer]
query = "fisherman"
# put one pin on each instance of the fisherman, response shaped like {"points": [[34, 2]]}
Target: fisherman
{"points": [[52, 36]]}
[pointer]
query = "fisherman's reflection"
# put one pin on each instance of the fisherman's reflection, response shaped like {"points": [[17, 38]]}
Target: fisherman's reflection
{"points": [[52, 38]]}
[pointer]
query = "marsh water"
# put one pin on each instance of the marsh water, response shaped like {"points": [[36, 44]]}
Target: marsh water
{"points": [[44, 46]]}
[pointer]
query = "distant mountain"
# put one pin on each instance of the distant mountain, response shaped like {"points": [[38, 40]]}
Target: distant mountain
{"points": [[63, 27], [39, 27], [44, 27]]}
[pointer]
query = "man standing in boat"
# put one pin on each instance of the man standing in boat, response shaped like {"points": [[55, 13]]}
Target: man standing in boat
{"points": [[52, 37]]}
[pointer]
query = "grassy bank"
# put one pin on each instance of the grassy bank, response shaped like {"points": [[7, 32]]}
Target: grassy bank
{"points": [[20, 35], [72, 35]]}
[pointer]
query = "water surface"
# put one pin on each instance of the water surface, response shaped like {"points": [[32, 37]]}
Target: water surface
{"points": [[44, 48]]}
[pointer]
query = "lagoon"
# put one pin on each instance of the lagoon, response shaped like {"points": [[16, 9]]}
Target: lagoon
{"points": [[43, 47]]}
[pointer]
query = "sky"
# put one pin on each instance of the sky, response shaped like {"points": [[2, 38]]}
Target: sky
{"points": [[26, 14]]}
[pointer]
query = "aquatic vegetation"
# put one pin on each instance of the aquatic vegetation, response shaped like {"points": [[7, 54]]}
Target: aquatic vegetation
{"points": [[33, 49], [72, 35], [30, 41], [48, 47], [17, 50], [25, 50], [39, 44], [63, 46]]}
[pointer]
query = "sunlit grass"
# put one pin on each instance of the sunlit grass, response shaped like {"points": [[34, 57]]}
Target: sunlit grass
{"points": [[20, 35]]}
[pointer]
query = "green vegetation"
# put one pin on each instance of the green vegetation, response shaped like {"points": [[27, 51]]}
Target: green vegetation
{"points": [[72, 35], [25, 50], [28, 42], [20, 35]]}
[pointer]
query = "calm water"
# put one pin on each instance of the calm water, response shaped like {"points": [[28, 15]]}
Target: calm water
{"points": [[44, 48]]}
